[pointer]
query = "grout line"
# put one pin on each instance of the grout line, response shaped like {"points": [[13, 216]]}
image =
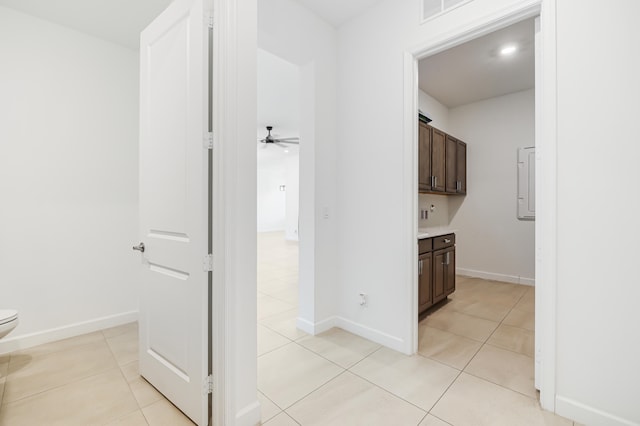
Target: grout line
{"points": [[442, 420], [423, 418], [500, 385], [273, 402], [314, 390], [446, 390], [291, 417], [76, 380], [476, 353], [509, 350]]}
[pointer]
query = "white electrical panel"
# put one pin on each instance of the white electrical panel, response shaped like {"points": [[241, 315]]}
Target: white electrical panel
{"points": [[527, 183]]}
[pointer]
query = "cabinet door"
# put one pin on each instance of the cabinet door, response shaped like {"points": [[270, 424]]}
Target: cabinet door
{"points": [[424, 282], [439, 275], [424, 158], [438, 159], [450, 274], [451, 182], [461, 167]]}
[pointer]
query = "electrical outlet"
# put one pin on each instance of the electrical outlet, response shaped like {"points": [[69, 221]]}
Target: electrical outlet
{"points": [[363, 300]]}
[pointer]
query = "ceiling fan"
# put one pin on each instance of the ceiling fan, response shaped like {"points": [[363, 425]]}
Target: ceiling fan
{"points": [[269, 139]]}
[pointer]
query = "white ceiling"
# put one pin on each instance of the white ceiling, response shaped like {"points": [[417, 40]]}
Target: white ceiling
{"points": [[337, 12], [118, 21], [121, 21], [474, 71]]}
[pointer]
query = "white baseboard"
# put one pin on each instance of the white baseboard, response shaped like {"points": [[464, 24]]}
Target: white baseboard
{"points": [[249, 415], [515, 279], [372, 334], [358, 329], [316, 328], [25, 341], [587, 415]]}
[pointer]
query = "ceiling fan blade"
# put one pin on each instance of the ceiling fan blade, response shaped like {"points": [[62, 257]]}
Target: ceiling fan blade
{"points": [[291, 142]]}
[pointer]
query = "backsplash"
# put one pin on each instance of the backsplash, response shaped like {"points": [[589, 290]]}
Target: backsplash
{"points": [[440, 214]]}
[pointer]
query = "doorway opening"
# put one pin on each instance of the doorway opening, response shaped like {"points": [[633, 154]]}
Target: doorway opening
{"points": [[278, 177], [484, 104], [455, 213]]}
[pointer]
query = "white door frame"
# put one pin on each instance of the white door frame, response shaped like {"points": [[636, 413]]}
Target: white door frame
{"points": [[546, 193], [233, 221]]}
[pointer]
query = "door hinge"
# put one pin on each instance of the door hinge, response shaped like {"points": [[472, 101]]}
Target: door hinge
{"points": [[207, 263], [208, 140], [207, 386], [208, 19]]}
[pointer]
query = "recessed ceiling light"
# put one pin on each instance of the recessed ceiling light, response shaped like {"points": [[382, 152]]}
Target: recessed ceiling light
{"points": [[286, 151], [508, 50]]}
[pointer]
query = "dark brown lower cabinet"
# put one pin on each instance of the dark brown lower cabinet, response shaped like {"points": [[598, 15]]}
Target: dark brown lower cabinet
{"points": [[436, 270], [424, 281], [444, 273]]}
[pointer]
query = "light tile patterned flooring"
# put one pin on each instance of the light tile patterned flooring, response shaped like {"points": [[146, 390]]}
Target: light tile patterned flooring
{"points": [[86, 380], [474, 366]]}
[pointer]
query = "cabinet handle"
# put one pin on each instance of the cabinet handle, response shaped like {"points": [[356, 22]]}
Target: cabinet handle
{"points": [[448, 253], [435, 180], [432, 184], [420, 267], [446, 240]]}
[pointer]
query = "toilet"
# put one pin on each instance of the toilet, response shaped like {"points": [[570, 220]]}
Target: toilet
{"points": [[8, 321]]}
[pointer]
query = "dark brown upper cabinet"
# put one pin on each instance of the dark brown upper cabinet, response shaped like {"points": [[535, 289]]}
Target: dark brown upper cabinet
{"points": [[461, 167], [438, 166], [424, 155], [451, 184], [442, 164]]}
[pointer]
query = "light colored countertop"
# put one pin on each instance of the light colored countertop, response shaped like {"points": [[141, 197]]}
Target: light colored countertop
{"points": [[434, 232]]}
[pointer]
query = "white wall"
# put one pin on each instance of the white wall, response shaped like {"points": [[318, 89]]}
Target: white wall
{"points": [[296, 35], [271, 201], [597, 353], [434, 110], [598, 151], [278, 210], [372, 165], [292, 194], [68, 178], [491, 242]]}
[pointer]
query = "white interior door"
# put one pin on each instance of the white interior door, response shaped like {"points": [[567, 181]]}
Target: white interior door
{"points": [[174, 338]]}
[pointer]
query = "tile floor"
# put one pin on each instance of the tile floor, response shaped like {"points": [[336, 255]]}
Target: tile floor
{"points": [[474, 366], [87, 380]]}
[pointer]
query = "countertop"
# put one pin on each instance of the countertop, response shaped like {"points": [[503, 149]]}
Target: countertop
{"points": [[434, 232]]}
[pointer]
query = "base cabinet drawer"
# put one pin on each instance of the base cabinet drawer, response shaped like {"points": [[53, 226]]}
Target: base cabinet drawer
{"points": [[444, 241]]}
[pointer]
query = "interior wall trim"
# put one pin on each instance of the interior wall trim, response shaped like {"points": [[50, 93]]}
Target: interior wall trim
{"points": [[588, 415], [494, 276], [356, 328], [25, 341]]}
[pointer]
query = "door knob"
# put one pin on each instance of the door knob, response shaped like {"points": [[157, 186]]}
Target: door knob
{"points": [[139, 247]]}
